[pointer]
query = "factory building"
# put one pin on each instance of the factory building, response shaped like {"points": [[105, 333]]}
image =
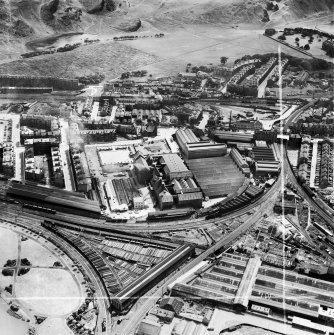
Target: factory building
{"points": [[204, 149], [149, 327], [240, 161], [185, 136], [174, 167], [172, 304], [141, 168], [263, 168], [286, 207], [187, 185], [192, 148], [190, 199], [243, 282], [163, 196], [64, 201], [217, 176], [225, 136]]}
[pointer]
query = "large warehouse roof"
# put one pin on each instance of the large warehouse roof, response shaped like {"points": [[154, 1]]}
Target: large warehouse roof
{"points": [[304, 295], [233, 136], [217, 176], [53, 196], [186, 136], [174, 163]]}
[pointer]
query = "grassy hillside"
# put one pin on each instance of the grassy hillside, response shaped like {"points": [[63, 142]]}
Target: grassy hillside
{"points": [[111, 59]]}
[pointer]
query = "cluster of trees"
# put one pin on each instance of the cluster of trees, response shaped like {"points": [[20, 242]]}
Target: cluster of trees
{"points": [[139, 73], [76, 319], [306, 46], [271, 6], [312, 64], [242, 90], [132, 37], [313, 129], [223, 60], [306, 32], [91, 79], [88, 41], [37, 53], [68, 47], [203, 68], [24, 262]]}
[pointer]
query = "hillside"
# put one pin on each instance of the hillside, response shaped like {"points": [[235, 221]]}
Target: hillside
{"points": [[113, 59], [37, 18], [189, 25]]}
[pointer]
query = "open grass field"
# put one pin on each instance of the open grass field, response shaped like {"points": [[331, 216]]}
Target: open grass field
{"points": [[48, 291], [54, 326], [10, 325], [37, 254], [9, 245]]}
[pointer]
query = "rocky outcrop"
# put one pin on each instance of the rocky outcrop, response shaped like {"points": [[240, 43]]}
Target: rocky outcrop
{"points": [[48, 10], [130, 25]]}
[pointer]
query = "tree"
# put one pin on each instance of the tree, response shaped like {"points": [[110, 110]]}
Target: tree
{"points": [[223, 60], [281, 37], [307, 47], [297, 39]]}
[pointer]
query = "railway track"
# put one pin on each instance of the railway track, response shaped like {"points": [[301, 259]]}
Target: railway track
{"points": [[33, 223]]}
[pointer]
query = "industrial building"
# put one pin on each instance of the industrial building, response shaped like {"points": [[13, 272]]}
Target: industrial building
{"points": [[243, 282], [125, 190], [240, 161], [183, 185], [57, 199], [263, 153], [190, 199], [172, 304], [286, 207], [217, 176], [141, 168], [149, 327], [225, 136], [193, 148], [163, 196], [174, 167], [264, 168]]}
